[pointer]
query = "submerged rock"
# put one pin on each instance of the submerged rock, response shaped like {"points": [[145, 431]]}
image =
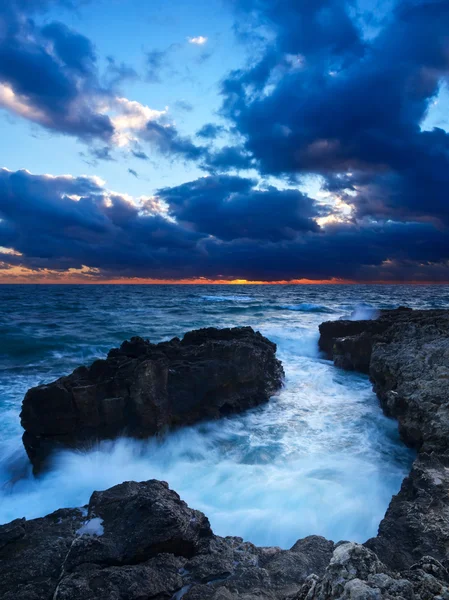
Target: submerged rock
{"points": [[140, 540], [140, 389]]}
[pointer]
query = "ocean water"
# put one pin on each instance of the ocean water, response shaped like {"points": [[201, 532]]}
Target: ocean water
{"points": [[319, 458]]}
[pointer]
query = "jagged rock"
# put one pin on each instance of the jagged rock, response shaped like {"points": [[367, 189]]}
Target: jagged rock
{"points": [[417, 521], [140, 540], [356, 573], [407, 356], [410, 371], [143, 388], [349, 343], [406, 353]]}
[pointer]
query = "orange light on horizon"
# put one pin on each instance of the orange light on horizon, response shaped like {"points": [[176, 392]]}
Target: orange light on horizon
{"points": [[90, 276]]}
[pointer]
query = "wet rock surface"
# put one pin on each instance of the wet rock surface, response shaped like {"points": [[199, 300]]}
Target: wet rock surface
{"points": [[141, 389], [138, 541], [406, 354]]}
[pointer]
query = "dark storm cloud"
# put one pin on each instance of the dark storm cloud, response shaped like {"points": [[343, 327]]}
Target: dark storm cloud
{"points": [[230, 208], [63, 222], [320, 28], [323, 98], [327, 101], [51, 70], [223, 226], [392, 251], [49, 75], [228, 157]]}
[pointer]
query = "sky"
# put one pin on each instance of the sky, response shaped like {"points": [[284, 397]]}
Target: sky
{"points": [[224, 141]]}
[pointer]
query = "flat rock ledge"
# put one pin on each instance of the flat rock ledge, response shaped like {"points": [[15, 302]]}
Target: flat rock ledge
{"points": [[142, 389]]}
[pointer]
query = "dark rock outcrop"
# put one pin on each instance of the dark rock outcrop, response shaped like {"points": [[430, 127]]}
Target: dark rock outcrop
{"points": [[406, 354], [416, 523], [137, 541], [141, 389], [349, 343], [356, 573]]}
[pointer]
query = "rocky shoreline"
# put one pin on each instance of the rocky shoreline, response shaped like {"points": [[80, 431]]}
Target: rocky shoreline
{"points": [[138, 541]]}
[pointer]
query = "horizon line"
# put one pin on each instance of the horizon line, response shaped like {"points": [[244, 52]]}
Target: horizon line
{"points": [[221, 282]]}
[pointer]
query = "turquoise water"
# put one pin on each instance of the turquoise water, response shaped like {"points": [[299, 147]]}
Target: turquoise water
{"points": [[319, 458]]}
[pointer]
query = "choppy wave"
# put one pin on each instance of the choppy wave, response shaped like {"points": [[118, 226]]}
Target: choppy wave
{"points": [[229, 298], [307, 307]]}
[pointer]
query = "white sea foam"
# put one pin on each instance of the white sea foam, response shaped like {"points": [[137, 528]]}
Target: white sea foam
{"points": [[92, 527], [229, 298], [362, 312], [319, 458]]}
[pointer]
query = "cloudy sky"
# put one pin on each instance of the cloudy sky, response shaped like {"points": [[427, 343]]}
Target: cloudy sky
{"points": [[224, 140]]}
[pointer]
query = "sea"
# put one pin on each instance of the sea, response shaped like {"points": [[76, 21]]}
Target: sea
{"points": [[318, 458]]}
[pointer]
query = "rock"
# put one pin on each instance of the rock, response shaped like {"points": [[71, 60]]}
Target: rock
{"points": [[356, 573], [134, 522], [406, 353], [142, 388], [140, 540], [417, 521], [349, 343], [410, 371], [32, 554]]}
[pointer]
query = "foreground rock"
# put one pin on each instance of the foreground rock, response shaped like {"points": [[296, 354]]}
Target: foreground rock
{"points": [[356, 573], [137, 541], [143, 388], [406, 354]]}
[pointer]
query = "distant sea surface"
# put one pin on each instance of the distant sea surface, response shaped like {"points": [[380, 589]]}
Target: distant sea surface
{"points": [[319, 458]]}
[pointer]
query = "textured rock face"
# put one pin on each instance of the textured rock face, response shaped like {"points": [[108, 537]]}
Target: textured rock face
{"points": [[356, 573], [406, 354], [417, 521], [143, 388], [349, 343], [137, 541]]}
